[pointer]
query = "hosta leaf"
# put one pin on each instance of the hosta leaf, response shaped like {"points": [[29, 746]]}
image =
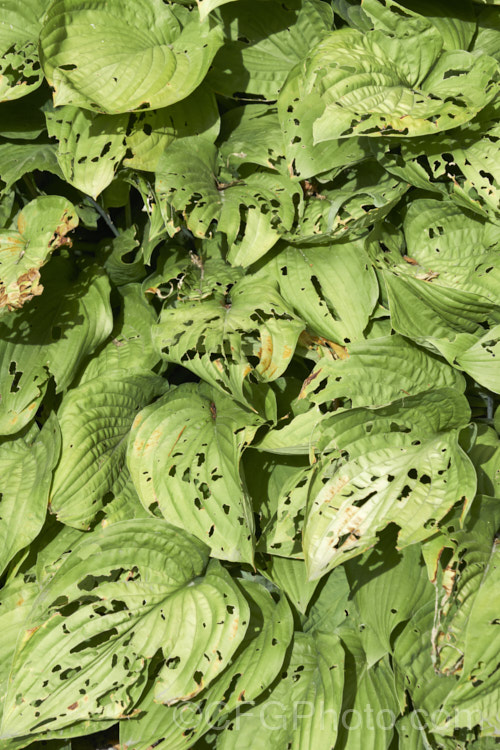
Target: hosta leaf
{"points": [[90, 148], [402, 464], [485, 455], [128, 592], [487, 39], [251, 133], [447, 320], [350, 205], [453, 245], [50, 336], [266, 39], [26, 471], [91, 54], [25, 120], [251, 671], [302, 710], [186, 181], [378, 371], [456, 26], [151, 132], [184, 453], [207, 6], [387, 588], [282, 533], [227, 337], [95, 419], [42, 227], [291, 577], [20, 71], [130, 348], [370, 701], [374, 83], [333, 289], [18, 159], [481, 360]]}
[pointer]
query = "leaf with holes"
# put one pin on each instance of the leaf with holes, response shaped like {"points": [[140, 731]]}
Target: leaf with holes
{"points": [[397, 464], [91, 54], [20, 71], [90, 146], [42, 227], [253, 212], [250, 673], [130, 592], [184, 454], [225, 338], [51, 336]]}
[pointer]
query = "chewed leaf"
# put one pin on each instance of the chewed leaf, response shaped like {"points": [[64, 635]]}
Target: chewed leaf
{"points": [[225, 338], [184, 453], [91, 146], [92, 54], [132, 591], [375, 83], [400, 464], [253, 212], [50, 336], [42, 226], [20, 71]]}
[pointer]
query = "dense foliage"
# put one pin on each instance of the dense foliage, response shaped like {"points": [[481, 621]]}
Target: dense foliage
{"points": [[250, 345]]}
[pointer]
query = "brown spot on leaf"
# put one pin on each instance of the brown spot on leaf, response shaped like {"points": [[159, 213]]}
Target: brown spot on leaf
{"points": [[73, 706]]}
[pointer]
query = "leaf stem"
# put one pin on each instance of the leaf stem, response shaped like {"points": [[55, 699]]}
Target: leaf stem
{"points": [[100, 210]]}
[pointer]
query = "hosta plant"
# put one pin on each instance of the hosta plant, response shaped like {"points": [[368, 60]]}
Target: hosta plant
{"points": [[249, 374]]}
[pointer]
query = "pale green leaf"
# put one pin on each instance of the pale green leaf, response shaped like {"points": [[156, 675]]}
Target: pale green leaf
{"points": [[18, 159], [20, 71], [401, 463], [150, 133], [378, 371], [42, 227], [332, 288], [293, 712], [291, 577], [252, 670], [90, 146], [95, 419], [184, 453], [187, 181], [266, 38], [140, 584], [51, 336], [26, 471], [90, 55], [227, 337]]}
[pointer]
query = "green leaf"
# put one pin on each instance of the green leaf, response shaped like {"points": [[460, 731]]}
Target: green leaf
{"points": [[150, 133], [266, 39], [184, 454], [186, 181], [333, 289], [291, 577], [42, 227], [207, 6], [378, 371], [130, 348], [139, 584], [401, 463], [26, 470], [90, 146], [348, 206], [95, 419], [293, 713], [51, 336], [228, 337], [20, 71], [376, 83], [254, 667], [18, 159], [90, 55]]}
